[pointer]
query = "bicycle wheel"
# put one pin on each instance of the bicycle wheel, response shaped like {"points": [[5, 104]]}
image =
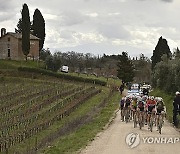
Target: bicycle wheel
{"points": [[151, 123], [178, 121], [160, 124], [125, 113], [159, 127], [135, 120], [122, 115], [140, 121], [127, 116]]}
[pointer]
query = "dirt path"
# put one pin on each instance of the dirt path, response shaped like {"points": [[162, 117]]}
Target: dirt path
{"points": [[113, 140]]}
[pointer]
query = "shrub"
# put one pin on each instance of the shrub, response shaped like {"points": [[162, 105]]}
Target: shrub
{"points": [[64, 76]]}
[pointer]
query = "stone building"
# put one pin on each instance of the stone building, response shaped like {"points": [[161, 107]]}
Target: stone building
{"points": [[11, 46]]}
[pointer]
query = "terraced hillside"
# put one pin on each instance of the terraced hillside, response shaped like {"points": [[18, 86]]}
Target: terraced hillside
{"points": [[28, 107], [34, 112]]}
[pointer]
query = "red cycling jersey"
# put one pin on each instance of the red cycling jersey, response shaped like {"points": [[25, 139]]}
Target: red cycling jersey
{"points": [[150, 103]]}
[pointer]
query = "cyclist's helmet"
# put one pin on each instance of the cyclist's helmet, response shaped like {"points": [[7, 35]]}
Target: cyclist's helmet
{"points": [[152, 97], [156, 98], [177, 93], [134, 98], [123, 98], [160, 99], [139, 99]]}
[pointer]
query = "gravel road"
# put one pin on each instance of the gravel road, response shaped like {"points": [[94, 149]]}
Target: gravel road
{"points": [[122, 138]]}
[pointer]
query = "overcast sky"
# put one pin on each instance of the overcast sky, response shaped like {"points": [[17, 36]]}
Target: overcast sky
{"points": [[101, 26]]}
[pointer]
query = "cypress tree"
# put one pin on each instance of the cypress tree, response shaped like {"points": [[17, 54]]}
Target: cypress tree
{"points": [[125, 70], [177, 53], [25, 30], [38, 27], [160, 49], [19, 26]]}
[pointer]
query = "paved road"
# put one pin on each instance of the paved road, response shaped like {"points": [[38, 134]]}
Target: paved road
{"points": [[112, 140]]}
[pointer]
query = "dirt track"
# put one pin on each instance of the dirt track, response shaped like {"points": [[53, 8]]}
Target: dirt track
{"points": [[112, 140]]}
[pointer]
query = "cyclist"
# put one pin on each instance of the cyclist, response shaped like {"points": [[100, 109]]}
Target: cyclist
{"points": [[127, 105], [141, 109], [141, 105], [134, 105], [144, 99], [160, 105], [151, 104], [145, 91], [160, 110], [122, 102], [121, 88]]}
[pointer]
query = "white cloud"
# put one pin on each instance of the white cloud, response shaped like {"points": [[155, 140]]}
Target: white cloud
{"points": [[167, 0], [89, 37], [159, 0], [119, 42], [66, 34], [113, 31], [6, 5], [114, 13], [50, 16], [94, 14], [71, 18], [101, 26]]}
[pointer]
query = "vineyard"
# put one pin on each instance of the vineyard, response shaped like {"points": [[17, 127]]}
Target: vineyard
{"points": [[29, 107]]}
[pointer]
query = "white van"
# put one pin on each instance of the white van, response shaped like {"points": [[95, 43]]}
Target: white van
{"points": [[135, 86], [65, 69]]}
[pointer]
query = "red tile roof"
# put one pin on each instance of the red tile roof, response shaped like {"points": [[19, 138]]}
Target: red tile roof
{"points": [[19, 35]]}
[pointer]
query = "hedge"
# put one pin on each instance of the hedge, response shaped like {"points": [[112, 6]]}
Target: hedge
{"points": [[60, 75]]}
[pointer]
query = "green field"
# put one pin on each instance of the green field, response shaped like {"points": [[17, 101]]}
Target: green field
{"points": [[11, 67], [42, 113], [78, 139], [109, 81], [13, 64]]}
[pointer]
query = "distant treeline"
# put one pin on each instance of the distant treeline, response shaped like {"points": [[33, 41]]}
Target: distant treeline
{"points": [[81, 63], [104, 65]]}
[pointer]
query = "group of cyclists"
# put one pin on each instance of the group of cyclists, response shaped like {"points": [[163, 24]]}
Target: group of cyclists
{"points": [[143, 110]]}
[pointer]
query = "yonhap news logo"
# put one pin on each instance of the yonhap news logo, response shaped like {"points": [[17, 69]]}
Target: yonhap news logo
{"points": [[133, 140]]}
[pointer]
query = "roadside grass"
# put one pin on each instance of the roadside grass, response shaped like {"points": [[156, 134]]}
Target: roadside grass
{"points": [[79, 112], [14, 64], [110, 81], [168, 100], [78, 139]]}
